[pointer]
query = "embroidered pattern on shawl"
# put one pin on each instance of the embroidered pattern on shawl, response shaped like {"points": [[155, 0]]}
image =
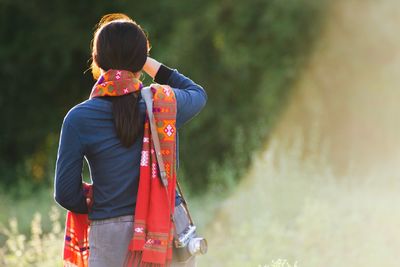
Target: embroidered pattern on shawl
{"points": [[151, 244]]}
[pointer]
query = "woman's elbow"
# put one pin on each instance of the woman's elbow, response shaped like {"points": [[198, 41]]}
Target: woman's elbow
{"points": [[64, 200], [61, 200], [204, 97]]}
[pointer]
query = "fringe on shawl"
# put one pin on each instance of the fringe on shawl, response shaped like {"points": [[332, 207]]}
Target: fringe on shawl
{"points": [[134, 259]]}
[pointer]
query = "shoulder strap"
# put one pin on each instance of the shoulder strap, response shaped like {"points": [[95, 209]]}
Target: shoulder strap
{"points": [[148, 99]]}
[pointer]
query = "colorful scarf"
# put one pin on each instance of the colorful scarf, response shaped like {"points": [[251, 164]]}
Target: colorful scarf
{"points": [[116, 83], [151, 244], [76, 241]]}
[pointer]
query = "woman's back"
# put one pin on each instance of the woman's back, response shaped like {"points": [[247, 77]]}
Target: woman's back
{"points": [[114, 168]]}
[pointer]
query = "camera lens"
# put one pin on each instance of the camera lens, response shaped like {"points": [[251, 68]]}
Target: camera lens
{"points": [[197, 246], [203, 246]]}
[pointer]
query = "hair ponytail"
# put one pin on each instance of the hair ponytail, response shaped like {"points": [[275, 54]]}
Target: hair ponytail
{"points": [[127, 120]]}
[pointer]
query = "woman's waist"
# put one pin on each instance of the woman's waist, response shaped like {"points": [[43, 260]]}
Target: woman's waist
{"points": [[123, 218], [102, 213]]}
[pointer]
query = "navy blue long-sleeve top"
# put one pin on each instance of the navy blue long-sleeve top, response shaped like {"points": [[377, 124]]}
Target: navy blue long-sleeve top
{"points": [[88, 132]]}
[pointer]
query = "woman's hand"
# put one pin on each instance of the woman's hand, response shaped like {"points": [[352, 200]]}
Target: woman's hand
{"points": [[151, 67]]}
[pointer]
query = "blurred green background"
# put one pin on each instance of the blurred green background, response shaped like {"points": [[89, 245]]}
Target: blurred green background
{"points": [[244, 54], [295, 156]]}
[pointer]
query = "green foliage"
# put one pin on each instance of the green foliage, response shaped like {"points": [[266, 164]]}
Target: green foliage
{"points": [[245, 54]]}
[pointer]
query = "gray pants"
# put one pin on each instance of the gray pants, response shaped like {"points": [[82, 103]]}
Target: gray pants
{"points": [[109, 240]]}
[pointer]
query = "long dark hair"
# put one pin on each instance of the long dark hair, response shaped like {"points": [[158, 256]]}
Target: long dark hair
{"points": [[121, 44]]}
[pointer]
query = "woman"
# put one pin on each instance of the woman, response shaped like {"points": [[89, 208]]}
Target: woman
{"points": [[107, 130]]}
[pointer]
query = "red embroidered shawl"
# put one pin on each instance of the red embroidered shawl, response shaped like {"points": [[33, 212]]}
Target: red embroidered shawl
{"points": [[151, 244]]}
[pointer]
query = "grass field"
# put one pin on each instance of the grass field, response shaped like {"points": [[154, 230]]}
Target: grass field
{"points": [[295, 208], [288, 207]]}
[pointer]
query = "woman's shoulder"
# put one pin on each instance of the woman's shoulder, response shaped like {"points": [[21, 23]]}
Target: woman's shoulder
{"points": [[88, 109]]}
